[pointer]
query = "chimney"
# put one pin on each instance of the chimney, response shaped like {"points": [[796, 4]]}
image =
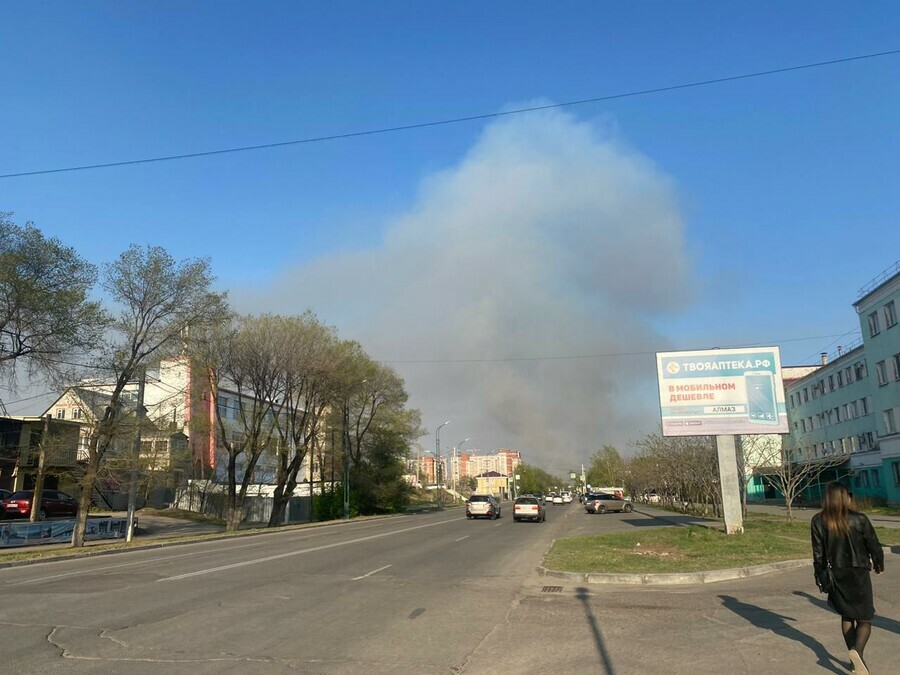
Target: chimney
{"points": [[840, 350], [824, 356]]}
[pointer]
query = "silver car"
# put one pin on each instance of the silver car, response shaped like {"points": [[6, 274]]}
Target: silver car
{"points": [[482, 506], [602, 502]]}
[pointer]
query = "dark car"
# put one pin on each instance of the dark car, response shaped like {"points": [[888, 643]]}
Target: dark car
{"points": [[601, 503], [53, 503]]}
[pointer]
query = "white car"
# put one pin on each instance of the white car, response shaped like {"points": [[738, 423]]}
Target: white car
{"points": [[557, 499], [567, 497]]}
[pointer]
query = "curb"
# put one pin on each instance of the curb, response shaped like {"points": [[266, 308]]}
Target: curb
{"points": [[680, 578]]}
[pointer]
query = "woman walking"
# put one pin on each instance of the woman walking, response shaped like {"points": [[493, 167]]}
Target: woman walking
{"points": [[845, 541]]}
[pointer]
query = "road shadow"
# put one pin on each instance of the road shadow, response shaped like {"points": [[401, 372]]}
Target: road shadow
{"points": [[778, 624], [583, 595], [882, 622]]}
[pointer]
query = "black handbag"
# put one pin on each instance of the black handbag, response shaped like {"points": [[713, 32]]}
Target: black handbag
{"points": [[825, 575], [825, 579]]}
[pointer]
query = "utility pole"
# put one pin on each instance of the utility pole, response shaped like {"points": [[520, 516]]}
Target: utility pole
{"points": [[136, 452], [437, 462], [346, 434], [39, 479]]}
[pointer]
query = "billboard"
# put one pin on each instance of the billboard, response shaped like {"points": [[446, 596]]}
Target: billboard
{"points": [[721, 391]]}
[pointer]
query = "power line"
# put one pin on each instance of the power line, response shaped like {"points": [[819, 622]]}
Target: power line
{"points": [[609, 355], [454, 120]]}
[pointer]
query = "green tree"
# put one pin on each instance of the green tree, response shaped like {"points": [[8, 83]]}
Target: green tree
{"points": [[45, 313], [535, 479], [607, 468]]}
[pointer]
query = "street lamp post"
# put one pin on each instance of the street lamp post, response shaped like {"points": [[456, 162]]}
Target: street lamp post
{"points": [[437, 461]]}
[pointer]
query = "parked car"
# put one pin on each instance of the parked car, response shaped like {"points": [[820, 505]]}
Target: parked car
{"points": [[529, 507], [653, 498], [482, 506], [53, 503], [601, 503]]}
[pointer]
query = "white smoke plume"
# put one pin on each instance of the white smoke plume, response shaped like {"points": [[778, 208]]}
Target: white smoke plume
{"points": [[550, 238]]}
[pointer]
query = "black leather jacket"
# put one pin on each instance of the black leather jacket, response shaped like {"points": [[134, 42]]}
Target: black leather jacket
{"points": [[860, 549]]}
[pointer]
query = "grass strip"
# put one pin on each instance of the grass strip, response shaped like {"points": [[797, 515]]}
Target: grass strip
{"points": [[688, 549]]}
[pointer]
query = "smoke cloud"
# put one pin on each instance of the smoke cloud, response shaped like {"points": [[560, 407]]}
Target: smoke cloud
{"points": [[518, 295]]}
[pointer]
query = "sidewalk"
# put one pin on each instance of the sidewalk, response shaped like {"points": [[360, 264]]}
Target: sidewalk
{"points": [[807, 512]]}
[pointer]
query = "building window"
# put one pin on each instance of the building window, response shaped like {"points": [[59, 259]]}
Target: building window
{"points": [[890, 315], [870, 439], [895, 468], [848, 375], [831, 383], [803, 423], [60, 413], [864, 402], [889, 425], [223, 407], [881, 373], [876, 478], [895, 362], [861, 479], [854, 409], [805, 395], [859, 369], [76, 413], [873, 324]]}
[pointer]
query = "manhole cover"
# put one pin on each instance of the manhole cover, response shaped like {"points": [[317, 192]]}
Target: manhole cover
{"points": [[551, 589]]}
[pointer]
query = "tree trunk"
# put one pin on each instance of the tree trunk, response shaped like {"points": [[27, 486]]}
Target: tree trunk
{"points": [[279, 501], [84, 502]]}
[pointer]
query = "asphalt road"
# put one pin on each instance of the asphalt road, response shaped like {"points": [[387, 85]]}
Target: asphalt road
{"points": [[430, 593]]}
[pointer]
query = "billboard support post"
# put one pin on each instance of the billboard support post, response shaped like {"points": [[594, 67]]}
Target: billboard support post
{"points": [[728, 480]]}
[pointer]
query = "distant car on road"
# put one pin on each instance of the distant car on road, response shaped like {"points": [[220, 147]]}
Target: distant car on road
{"points": [[602, 502], [482, 506], [567, 497], [558, 499], [53, 503], [529, 507]]}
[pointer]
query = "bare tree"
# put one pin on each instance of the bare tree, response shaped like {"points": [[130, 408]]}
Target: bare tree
{"points": [[790, 469], [158, 300], [246, 358]]}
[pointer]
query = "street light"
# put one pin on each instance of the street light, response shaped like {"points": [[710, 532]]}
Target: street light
{"points": [[437, 461]]}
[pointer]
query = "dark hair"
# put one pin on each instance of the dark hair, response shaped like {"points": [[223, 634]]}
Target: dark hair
{"points": [[836, 508]]}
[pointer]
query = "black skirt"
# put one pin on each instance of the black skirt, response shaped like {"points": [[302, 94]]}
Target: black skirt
{"points": [[852, 593]]}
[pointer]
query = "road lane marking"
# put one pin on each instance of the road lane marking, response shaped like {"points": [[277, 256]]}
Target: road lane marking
{"points": [[290, 554], [130, 564], [461, 538], [380, 569], [305, 534], [497, 524], [96, 569]]}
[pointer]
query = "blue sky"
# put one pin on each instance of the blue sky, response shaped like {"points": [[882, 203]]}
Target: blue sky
{"points": [[783, 187]]}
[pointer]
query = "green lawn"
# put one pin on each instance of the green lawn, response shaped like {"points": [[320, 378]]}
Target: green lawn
{"points": [[688, 549]]}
